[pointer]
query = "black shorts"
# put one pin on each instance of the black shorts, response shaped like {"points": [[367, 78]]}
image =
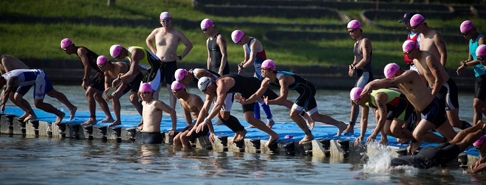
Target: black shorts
{"points": [[134, 85], [98, 81], [151, 137], [480, 87], [402, 111], [435, 113], [168, 70], [448, 95], [306, 99]]}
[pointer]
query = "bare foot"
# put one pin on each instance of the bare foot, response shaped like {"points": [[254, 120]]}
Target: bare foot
{"points": [[22, 118], [72, 112], [91, 121], [107, 119], [271, 140], [413, 147], [349, 129], [343, 126], [59, 117], [270, 124], [235, 138], [241, 134], [30, 117], [307, 138], [115, 123]]}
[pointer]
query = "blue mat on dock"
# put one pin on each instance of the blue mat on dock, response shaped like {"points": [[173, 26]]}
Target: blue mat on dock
{"points": [[282, 128]]}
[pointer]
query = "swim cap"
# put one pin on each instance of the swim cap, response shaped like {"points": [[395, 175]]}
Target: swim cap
{"points": [[180, 74], [146, 87], [101, 60], [269, 64], [177, 86], [355, 93], [237, 35], [406, 17], [165, 15], [206, 23], [479, 142], [66, 42], [466, 26], [353, 24], [416, 20], [391, 69], [115, 50], [204, 83], [409, 45], [481, 51]]}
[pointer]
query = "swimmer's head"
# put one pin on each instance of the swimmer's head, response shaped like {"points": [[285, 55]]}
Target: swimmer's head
{"points": [[354, 24], [180, 74], [101, 60], [237, 35], [165, 15], [175, 86], [481, 52], [477, 144], [466, 26], [146, 88], [416, 20], [406, 17], [204, 83], [206, 23], [269, 64], [65, 43], [391, 70], [115, 50], [355, 93], [409, 45]]}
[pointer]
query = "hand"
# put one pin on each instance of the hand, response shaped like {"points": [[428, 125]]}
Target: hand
{"points": [[266, 82], [358, 140], [459, 69], [350, 71], [265, 99], [384, 141], [191, 131], [105, 93], [200, 127], [115, 82], [3, 108], [84, 85], [367, 89], [240, 99], [211, 137], [109, 97], [241, 70], [371, 138], [171, 132]]}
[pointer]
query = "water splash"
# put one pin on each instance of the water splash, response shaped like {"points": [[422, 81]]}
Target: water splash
{"points": [[379, 159]]}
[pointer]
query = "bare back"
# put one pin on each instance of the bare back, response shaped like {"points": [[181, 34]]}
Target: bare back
{"points": [[415, 90], [151, 116], [425, 62], [166, 43], [10, 63], [118, 67]]}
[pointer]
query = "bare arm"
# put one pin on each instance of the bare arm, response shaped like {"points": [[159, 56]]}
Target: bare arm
{"points": [[82, 53], [364, 120], [209, 55], [380, 100], [134, 68], [221, 41], [251, 56], [284, 91], [219, 100], [150, 39], [164, 107], [205, 109], [434, 69], [259, 93], [187, 115], [441, 47], [386, 82], [187, 43]]}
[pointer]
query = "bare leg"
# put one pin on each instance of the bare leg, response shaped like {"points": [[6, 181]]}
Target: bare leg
{"points": [[295, 115], [97, 95], [116, 109], [18, 100], [352, 118], [172, 98], [250, 117], [329, 120], [447, 131], [463, 133], [421, 132], [453, 117], [39, 103], [135, 102], [62, 98], [478, 106], [398, 131]]}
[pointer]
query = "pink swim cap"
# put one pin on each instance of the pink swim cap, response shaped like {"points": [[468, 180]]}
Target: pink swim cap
{"points": [[479, 142], [269, 64], [206, 23], [180, 74], [355, 93], [416, 20], [177, 86], [237, 35], [146, 87], [353, 24], [391, 69], [66, 42], [165, 15], [409, 45], [481, 51], [101, 60], [466, 26], [115, 50]]}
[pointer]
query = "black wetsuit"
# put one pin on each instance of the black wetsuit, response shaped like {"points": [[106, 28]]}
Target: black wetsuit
{"points": [[248, 86], [215, 55], [430, 156], [98, 81]]}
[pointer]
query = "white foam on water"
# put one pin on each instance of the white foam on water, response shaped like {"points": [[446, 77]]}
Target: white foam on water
{"points": [[379, 159]]}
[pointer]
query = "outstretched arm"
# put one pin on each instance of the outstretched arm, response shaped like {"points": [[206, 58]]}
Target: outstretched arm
{"points": [[164, 107]]}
